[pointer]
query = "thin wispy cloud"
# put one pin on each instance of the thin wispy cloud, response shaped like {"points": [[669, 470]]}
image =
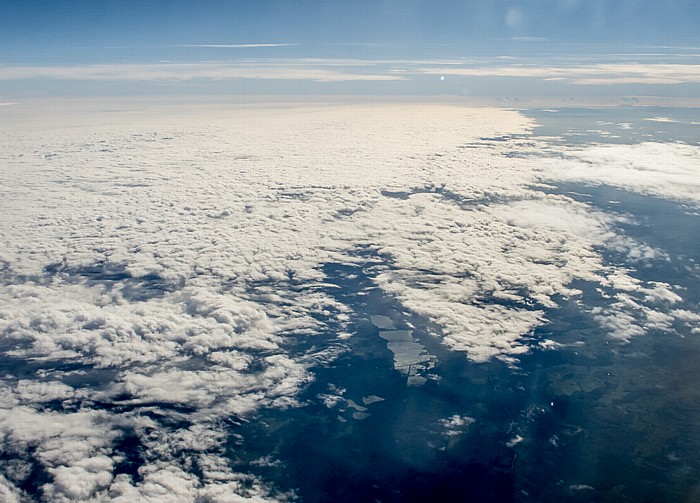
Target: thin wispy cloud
{"points": [[231, 46], [596, 74], [188, 71], [530, 39], [581, 72]]}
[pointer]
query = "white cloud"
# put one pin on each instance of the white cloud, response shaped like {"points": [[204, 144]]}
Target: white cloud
{"points": [[591, 74], [667, 170], [586, 72], [660, 119], [187, 71], [456, 424], [184, 258], [9, 493], [558, 214]]}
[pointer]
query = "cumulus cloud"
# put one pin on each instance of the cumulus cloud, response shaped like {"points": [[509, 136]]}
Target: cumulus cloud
{"points": [[174, 275], [667, 170], [456, 424]]}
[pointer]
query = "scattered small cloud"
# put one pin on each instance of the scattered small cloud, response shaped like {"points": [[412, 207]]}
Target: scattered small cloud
{"points": [[659, 119]]}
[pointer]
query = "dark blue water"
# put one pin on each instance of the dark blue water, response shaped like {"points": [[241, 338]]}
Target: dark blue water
{"points": [[598, 419], [594, 420], [621, 125], [399, 451]]}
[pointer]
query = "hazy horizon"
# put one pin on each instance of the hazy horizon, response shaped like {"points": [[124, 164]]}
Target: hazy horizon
{"points": [[512, 52]]}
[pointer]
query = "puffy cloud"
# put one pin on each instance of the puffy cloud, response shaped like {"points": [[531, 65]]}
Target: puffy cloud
{"points": [[172, 277], [667, 170], [456, 424], [80, 481], [9, 492]]}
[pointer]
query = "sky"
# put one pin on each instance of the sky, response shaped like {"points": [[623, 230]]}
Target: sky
{"points": [[571, 49]]}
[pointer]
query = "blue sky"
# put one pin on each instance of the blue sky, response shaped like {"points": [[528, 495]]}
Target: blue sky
{"points": [[347, 47]]}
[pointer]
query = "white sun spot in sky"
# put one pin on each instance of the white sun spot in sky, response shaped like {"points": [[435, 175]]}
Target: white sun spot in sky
{"points": [[442, 77]]}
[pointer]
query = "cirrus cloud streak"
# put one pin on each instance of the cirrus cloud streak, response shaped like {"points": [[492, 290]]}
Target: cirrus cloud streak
{"points": [[594, 74], [187, 71]]}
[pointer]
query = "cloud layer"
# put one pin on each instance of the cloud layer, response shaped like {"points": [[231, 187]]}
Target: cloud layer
{"points": [[661, 169], [591, 74], [154, 283], [260, 70], [586, 72]]}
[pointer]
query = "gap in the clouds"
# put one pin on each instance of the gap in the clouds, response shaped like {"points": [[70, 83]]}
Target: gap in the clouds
{"points": [[442, 191], [622, 418], [623, 414], [669, 228], [654, 221], [666, 232], [397, 449], [617, 125], [363, 433], [29, 475], [161, 412], [110, 275], [72, 372], [130, 448], [581, 417]]}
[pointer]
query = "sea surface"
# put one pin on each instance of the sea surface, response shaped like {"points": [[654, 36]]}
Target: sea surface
{"points": [[591, 419], [387, 412]]}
